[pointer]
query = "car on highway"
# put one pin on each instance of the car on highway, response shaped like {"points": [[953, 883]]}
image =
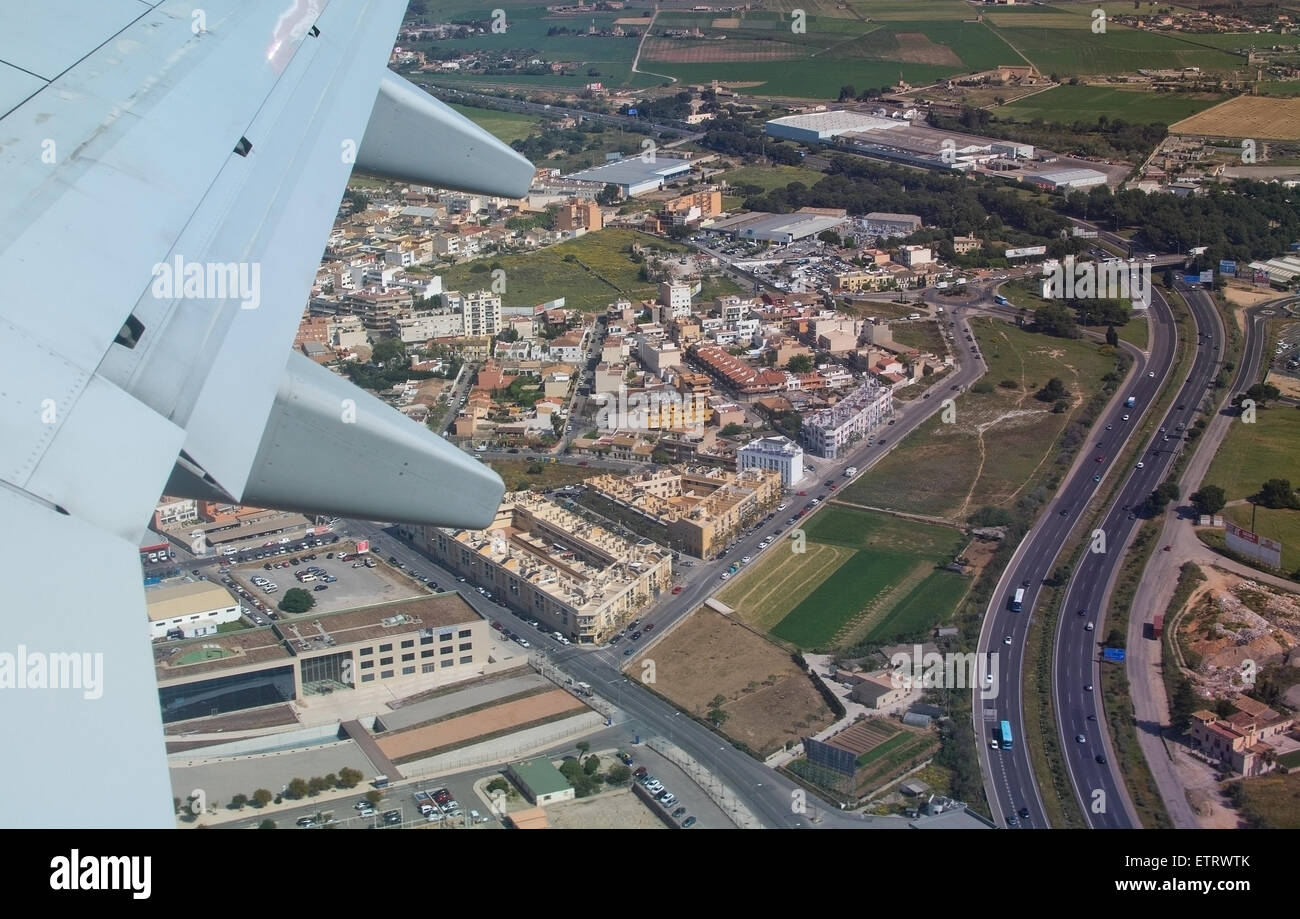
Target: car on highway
{"points": [[1024, 813], [993, 744], [1012, 821], [1100, 459], [1109, 427], [1151, 373], [1088, 627], [1097, 477], [1006, 639], [1087, 687], [1101, 759], [1126, 417]]}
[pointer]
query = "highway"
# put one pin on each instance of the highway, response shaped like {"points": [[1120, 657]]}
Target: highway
{"points": [[1080, 706], [1009, 780]]}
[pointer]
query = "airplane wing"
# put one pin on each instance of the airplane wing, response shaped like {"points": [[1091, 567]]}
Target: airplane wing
{"points": [[171, 178]]}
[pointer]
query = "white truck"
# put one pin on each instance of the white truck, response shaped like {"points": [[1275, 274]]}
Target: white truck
{"points": [[850, 472]]}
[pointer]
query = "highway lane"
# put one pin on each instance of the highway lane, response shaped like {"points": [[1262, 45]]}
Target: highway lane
{"points": [[1009, 780], [1080, 706]]}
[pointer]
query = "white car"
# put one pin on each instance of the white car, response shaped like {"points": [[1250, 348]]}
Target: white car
{"points": [[1088, 627], [1126, 417], [993, 744], [1152, 374], [1141, 464], [744, 560], [725, 575]]}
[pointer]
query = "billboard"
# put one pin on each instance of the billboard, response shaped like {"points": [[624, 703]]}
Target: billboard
{"points": [[1207, 277], [1252, 545], [1026, 251], [1261, 276], [1191, 279], [363, 545], [1081, 233], [1227, 266]]}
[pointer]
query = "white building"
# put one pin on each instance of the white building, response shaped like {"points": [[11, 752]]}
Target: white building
{"points": [[779, 453], [677, 298], [915, 256], [482, 313], [193, 608], [829, 431]]}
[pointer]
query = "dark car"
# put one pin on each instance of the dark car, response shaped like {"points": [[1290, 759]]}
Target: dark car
{"points": [[629, 652], [319, 587], [688, 822], [679, 812], [636, 635], [1024, 813], [1101, 759], [649, 626], [639, 771]]}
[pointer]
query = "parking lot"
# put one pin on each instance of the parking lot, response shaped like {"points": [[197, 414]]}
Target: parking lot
{"points": [[335, 585]]}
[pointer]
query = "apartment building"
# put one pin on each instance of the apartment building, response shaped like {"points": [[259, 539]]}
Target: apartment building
{"points": [[778, 453], [827, 432], [578, 214], [704, 508], [481, 313], [573, 576]]}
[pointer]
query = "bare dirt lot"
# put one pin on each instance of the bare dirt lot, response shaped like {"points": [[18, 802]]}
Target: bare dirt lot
{"points": [[1259, 117], [767, 698], [612, 810]]}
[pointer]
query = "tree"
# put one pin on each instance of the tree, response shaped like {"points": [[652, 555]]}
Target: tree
{"points": [[297, 788], [262, 797], [390, 352], [1209, 499], [732, 429], [1262, 393], [718, 716], [1276, 494], [498, 784], [1169, 279], [769, 358], [297, 600], [1054, 390], [847, 92], [618, 774], [349, 777], [608, 195], [239, 801], [1060, 574], [800, 363], [829, 236], [267, 824], [591, 765], [583, 746], [315, 785], [1112, 337]]}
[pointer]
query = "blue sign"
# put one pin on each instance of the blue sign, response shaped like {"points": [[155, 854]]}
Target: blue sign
{"points": [[1191, 279], [1112, 654], [631, 111], [1227, 266]]}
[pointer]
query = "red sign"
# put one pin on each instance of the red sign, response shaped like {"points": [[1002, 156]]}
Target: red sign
{"points": [[363, 545]]}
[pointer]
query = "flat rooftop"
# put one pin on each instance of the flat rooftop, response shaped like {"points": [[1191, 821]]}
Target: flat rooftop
{"points": [[632, 171], [284, 641], [169, 601]]}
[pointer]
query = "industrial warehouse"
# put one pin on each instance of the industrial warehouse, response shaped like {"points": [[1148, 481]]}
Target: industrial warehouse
{"points": [[902, 139]]}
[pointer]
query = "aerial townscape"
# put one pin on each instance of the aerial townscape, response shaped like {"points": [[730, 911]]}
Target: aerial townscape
{"points": [[869, 414]]}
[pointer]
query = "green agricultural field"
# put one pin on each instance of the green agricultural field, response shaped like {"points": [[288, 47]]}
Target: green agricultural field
{"points": [[772, 587], [876, 592], [1253, 453], [505, 126], [601, 271], [1002, 443], [1088, 103], [1076, 50], [1285, 89], [1270, 801], [770, 177]]}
